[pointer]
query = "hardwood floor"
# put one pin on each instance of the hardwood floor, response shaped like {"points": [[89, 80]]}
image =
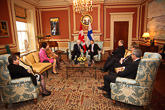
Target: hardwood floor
{"points": [[160, 77]]}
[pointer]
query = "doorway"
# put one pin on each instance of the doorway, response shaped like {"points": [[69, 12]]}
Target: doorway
{"points": [[121, 33]]}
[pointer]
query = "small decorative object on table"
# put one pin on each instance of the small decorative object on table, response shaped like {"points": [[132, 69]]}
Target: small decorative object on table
{"points": [[82, 60]]}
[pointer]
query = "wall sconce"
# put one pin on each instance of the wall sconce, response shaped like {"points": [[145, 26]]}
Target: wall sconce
{"points": [[48, 37], [146, 35]]}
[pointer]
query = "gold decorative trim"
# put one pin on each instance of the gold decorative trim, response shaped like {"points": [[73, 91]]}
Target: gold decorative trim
{"points": [[137, 25], [41, 29], [11, 25], [82, 19], [141, 21], [123, 16], [74, 21]]}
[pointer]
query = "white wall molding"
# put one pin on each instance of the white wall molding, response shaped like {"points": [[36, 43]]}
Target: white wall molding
{"points": [[55, 9], [125, 16]]}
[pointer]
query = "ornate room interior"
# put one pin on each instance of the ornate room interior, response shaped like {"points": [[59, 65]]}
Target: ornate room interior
{"points": [[25, 24]]}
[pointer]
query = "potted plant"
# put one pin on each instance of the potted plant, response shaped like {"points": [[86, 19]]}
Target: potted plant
{"points": [[39, 37]]}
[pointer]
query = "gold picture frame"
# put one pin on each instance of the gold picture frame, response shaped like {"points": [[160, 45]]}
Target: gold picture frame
{"points": [[85, 19], [4, 30]]}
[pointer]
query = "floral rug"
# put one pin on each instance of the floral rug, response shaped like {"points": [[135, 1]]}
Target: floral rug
{"points": [[79, 92]]}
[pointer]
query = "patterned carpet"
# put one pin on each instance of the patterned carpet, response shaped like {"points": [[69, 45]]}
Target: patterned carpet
{"points": [[79, 92]]}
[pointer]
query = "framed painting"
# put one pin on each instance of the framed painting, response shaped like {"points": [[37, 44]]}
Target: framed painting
{"points": [[156, 19], [4, 31], [86, 19], [54, 25]]}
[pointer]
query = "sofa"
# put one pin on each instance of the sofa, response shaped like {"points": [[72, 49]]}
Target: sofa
{"points": [[32, 59], [138, 91], [96, 57], [15, 90]]}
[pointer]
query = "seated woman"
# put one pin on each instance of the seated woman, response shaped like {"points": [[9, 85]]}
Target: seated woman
{"points": [[44, 57], [17, 71], [52, 55]]}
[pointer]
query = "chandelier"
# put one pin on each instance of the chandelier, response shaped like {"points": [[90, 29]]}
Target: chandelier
{"points": [[82, 6]]}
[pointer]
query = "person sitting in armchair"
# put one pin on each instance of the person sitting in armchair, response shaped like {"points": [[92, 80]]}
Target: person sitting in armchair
{"points": [[17, 71], [126, 60], [93, 50], [77, 49], [129, 71], [116, 56]]}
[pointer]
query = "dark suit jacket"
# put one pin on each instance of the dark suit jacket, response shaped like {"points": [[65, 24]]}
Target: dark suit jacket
{"points": [[76, 50], [118, 64], [130, 70], [119, 52], [96, 48], [17, 71]]}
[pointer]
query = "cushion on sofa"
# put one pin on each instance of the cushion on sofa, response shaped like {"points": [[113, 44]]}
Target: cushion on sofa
{"points": [[30, 58], [36, 56], [27, 61], [38, 67]]}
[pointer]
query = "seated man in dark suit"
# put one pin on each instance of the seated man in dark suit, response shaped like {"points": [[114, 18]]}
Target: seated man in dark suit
{"points": [[130, 71], [116, 56], [126, 60], [17, 71], [77, 49], [93, 49]]}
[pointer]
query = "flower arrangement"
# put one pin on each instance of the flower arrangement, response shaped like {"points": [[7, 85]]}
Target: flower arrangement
{"points": [[81, 59]]}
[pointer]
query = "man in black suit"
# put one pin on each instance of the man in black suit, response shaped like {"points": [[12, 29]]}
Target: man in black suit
{"points": [[116, 56], [17, 71], [77, 49], [93, 49], [124, 61], [130, 72]]}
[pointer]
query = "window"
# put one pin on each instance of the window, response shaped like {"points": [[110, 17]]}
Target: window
{"points": [[22, 32]]}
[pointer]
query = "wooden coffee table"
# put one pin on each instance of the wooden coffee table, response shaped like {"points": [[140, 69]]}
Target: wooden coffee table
{"points": [[77, 68]]}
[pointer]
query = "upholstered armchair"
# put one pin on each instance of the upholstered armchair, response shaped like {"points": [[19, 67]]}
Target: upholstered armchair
{"points": [[139, 91], [96, 57], [15, 90]]}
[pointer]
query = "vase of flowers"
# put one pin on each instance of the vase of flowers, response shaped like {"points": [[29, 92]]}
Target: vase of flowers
{"points": [[82, 60]]}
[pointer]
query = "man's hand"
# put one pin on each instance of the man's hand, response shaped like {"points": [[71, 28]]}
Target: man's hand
{"points": [[100, 51], [28, 71], [81, 50], [119, 69], [89, 51], [121, 60]]}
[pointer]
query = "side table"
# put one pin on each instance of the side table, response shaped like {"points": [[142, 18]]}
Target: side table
{"points": [[59, 52]]}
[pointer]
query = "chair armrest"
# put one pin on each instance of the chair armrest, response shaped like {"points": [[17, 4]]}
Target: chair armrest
{"points": [[126, 81], [21, 80]]}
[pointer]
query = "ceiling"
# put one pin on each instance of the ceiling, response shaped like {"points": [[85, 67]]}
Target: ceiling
{"points": [[45, 3]]}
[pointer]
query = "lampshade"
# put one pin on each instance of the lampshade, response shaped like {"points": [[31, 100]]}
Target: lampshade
{"points": [[146, 34]]}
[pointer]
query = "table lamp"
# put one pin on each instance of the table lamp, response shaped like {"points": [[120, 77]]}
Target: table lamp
{"points": [[48, 37], [146, 35]]}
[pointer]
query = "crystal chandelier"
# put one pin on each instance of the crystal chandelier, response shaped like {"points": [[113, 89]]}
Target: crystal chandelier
{"points": [[82, 6]]}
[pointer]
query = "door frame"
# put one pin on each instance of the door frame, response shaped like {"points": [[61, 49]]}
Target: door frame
{"points": [[125, 16]]}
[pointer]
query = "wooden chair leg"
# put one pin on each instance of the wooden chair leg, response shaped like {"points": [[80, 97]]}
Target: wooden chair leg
{"points": [[144, 107], [114, 102], [6, 106], [35, 101], [47, 73]]}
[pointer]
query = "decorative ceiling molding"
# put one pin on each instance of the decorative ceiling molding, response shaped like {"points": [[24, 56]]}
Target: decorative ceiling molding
{"points": [[55, 3], [123, 1]]}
